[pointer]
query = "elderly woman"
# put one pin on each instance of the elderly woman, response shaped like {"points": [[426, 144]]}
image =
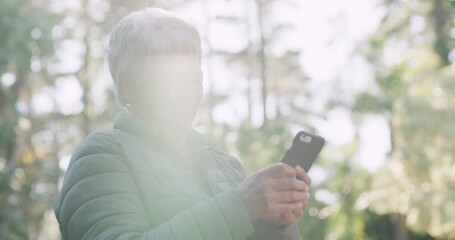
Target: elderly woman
{"points": [[153, 176]]}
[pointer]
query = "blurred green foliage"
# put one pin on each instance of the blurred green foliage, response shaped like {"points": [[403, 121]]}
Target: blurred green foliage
{"points": [[414, 94]]}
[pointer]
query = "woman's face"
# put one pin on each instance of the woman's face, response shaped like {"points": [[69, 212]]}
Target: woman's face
{"points": [[169, 92]]}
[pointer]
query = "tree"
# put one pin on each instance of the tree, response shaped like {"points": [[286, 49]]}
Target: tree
{"points": [[26, 46], [408, 54]]}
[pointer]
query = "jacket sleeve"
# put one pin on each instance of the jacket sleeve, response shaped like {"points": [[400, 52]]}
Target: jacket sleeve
{"points": [[263, 232], [99, 200]]}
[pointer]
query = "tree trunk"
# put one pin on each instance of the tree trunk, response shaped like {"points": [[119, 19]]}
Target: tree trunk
{"points": [[399, 223], [83, 73], [8, 147], [263, 64], [209, 72], [440, 18]]}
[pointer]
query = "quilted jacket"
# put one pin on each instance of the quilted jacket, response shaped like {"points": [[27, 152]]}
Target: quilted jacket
{"points": [[129, 183]]}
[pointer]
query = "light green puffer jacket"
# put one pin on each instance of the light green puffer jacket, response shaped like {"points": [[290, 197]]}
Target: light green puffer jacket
{"points": [[129, 183]]}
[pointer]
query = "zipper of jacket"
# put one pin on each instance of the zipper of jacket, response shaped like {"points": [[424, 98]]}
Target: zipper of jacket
{"points": [[201, 153], [201, 179]]}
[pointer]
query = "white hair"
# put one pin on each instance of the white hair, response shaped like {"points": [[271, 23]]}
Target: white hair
{"points": [[145, 34]]}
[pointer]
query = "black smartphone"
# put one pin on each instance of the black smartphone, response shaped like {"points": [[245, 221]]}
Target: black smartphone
{"points": [[304, 150]]}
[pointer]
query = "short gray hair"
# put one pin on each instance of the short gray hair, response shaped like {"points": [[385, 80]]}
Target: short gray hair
{"points": [[142, 35]]}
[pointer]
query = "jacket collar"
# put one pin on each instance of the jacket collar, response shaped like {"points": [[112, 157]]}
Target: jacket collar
{"points": [[146, 132]]}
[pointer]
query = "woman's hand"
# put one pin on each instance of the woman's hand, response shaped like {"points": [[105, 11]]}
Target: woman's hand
{"points": [[277, 190], [287, 218]]}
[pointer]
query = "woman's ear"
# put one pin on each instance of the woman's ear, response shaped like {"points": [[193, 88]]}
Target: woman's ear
{"points": [[126, 88]]}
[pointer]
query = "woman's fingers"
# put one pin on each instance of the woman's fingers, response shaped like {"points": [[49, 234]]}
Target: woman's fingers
{"points": [[285, 207], [284, 184], [281, 170], [302, 175], [279, 188], [291, 196]]}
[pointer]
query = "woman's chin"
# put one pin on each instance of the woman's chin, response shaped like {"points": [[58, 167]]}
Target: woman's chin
{"points": [[180, 125], [183, 121]]}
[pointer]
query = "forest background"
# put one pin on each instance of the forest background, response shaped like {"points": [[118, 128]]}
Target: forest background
{"points": [[374, 77]]}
